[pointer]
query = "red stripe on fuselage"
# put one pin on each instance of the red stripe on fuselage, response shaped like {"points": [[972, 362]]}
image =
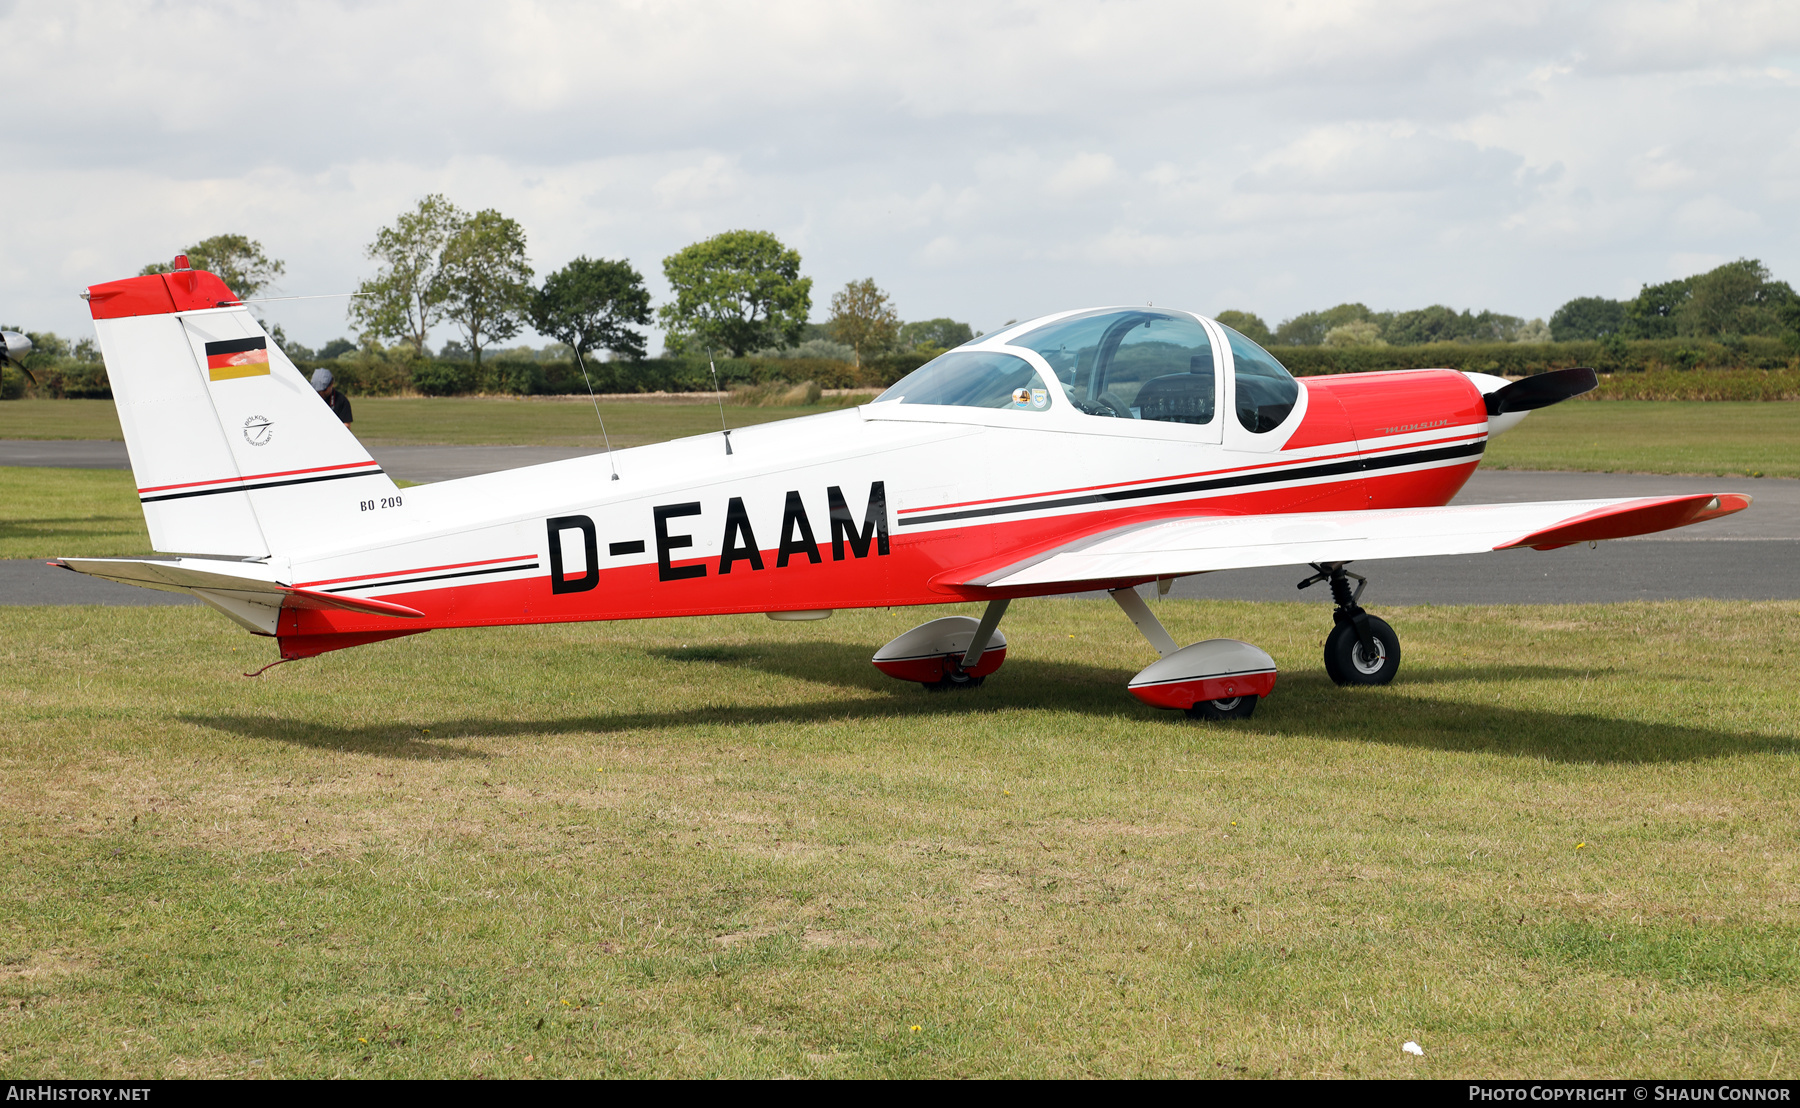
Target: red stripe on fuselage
{"points": [[257, 476], [410, 572], [901, 578]]}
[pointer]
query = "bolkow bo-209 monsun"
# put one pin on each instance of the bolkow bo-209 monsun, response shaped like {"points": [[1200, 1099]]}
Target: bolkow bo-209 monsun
{"points": [[1100, 449]]}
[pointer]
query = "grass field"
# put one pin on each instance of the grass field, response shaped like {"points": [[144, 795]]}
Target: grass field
{"points": [[1562, 844], [1656, 436], [77, 513]]}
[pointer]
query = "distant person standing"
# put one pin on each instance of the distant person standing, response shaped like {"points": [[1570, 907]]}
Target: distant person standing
{"points": [[323, 383]]}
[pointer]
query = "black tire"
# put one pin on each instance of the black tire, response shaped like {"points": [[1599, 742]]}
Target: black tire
{"points": [[1347, 663], [1238, 707], [954, 678]]}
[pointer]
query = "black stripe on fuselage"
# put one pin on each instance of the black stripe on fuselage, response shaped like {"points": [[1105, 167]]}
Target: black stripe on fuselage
{"points": [[1238, 480], [261, 485], [434, 577]]}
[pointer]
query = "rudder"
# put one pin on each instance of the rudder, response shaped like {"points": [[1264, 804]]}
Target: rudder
{"points": [[232, 451]]}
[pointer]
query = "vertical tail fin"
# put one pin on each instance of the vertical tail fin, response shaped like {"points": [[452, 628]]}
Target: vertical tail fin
{"points": [[232, 451]]}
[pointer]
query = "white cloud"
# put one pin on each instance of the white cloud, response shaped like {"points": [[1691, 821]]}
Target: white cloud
{"points": [[982, 161], [1081, 175]]}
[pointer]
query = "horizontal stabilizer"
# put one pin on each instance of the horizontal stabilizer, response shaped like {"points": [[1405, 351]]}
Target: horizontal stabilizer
{"points": [[1174, 548], [246, 591]]}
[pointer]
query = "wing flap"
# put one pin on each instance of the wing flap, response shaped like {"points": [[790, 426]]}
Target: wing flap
{"points": [[1173, 548]]}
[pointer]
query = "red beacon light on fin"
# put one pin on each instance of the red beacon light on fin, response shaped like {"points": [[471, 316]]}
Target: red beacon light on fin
{"points": [[181, 263]]}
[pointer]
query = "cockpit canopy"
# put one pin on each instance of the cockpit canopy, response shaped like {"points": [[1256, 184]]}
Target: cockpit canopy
{"points": [[1131, 364], [1114, 363], [973, 379]]}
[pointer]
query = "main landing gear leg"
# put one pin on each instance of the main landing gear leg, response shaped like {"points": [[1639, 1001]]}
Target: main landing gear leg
{"points": [[1145, 620], [1361, 649], [956, 673]]}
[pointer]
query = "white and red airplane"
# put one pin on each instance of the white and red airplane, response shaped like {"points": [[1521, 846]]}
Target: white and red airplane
{"points": [[1098, 449]]}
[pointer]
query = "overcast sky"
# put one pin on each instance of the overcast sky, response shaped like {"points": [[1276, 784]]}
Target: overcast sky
{"points": [[984, 161]]}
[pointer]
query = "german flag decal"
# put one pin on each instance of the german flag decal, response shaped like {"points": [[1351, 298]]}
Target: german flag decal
{"points": [[237, 358]]}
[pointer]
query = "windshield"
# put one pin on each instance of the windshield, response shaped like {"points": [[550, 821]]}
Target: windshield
{"points": [[973, 379], [1131, 364], [1266, 392]]}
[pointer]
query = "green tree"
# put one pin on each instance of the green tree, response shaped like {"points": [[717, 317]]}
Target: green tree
{"points": [[1309, 328], [404, 299], [1536, 331], [1586, 318], [1737, 298], [942, 333], [237, 260], [485, 280], [1362, 332], [1247, 324], [863, 318], [590, 303], [1651, 315], [736, 292], [1788, 314], [1438, 323]]}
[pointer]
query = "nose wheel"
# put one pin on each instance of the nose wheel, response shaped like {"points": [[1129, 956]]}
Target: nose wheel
{"points": [[1361, 649]]}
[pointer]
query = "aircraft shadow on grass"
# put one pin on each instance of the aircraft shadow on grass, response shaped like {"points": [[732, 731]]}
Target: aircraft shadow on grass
{"points": [[1305, 703]]}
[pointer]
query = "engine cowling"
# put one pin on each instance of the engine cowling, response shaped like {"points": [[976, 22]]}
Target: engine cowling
{"points": [[923, 653], [1217, 669]]}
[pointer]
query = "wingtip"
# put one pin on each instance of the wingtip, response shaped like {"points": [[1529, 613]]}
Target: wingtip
{"points": [[1724, 504], [1635, 517]]}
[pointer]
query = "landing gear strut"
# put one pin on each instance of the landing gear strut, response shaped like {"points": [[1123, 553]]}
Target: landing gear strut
{"points": [[1361, 649]]}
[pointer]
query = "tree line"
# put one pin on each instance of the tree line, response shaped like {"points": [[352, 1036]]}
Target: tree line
{"points": [[1737, 300], [740, 295], [735, 294]]}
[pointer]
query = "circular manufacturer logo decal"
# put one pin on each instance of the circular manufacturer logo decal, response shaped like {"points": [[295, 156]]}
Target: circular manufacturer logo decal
{"points": [[258, 430]]}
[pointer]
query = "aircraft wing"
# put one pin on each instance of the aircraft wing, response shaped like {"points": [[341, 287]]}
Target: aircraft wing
{"points": [[1201, 544]]}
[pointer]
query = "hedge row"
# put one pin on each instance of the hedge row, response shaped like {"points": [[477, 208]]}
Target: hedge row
{"points": [[72, 380], [1518, 359], [1731, 368], [1718, 384]]}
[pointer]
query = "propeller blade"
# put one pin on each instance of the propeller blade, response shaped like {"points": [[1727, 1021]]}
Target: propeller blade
{"points": [[1541, 390]]}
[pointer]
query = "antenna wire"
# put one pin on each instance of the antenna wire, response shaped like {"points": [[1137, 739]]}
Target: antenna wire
{"points": [[582, 362], [720, 393]]}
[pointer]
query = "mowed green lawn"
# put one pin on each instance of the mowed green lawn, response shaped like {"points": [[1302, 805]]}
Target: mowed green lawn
{"points": [[1732, 439], [1564, 843], [76, 513], [1656, 436]]}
